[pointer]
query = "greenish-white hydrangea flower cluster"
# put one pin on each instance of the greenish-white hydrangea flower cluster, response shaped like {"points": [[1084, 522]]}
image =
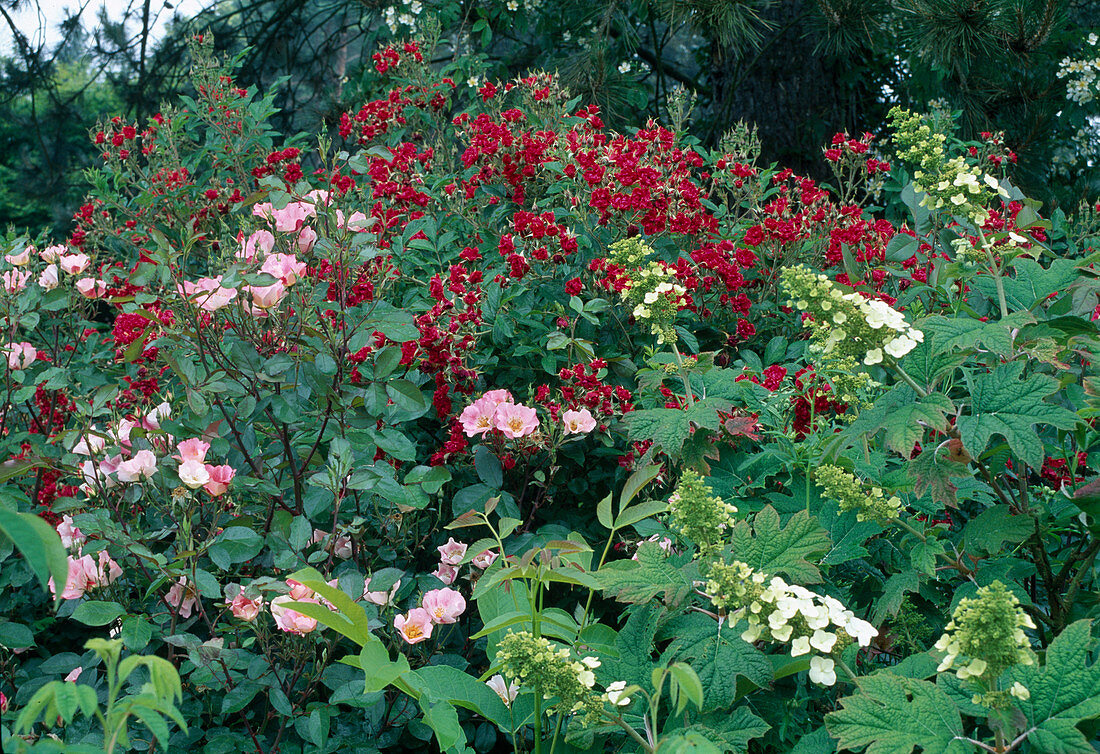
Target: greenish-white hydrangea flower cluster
{"points": [[952, 183], [651, 288], [985, 638], [781, 612], [869, 502], [538, 663], [848, 324], [698, 515]]}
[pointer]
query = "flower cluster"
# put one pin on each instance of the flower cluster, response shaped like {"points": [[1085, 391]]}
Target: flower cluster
{"points": [[848, 324], [698, 515], [869, 502], [782, 612], [537, 663], [195, 472], [651, 289], [497, 410], [85, 571], [1082, 86], [946, 182], [985, 638]]}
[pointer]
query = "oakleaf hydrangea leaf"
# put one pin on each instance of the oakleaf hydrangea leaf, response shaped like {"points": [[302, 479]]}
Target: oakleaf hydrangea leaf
{"points": [[1004, 404], [651, 574], [669, 428], [893, 715], [1065, 691], [766, 546]]}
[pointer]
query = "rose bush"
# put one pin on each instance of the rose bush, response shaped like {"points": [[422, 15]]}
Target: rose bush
{"points": [[471, 422]]}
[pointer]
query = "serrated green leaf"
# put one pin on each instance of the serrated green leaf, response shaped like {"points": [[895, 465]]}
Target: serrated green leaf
{"points": [[669, 428], [718, 655], [932, 473], [653, 573], [730, 732], [893, 592], [1065, 691], [893, 715], [1004, 404], [992, 528], [775, 549]]}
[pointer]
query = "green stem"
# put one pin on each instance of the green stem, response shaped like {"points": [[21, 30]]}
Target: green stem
{"points": [[683, 376], [995, 270]]}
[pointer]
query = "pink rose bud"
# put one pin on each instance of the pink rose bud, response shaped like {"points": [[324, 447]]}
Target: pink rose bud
{"points": [[414, 628], [307, 236], [74, 674], [260, 242], [444, 605]]}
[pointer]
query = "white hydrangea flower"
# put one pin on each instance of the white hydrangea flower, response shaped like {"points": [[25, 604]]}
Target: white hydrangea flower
{"points": [[822, 670]]}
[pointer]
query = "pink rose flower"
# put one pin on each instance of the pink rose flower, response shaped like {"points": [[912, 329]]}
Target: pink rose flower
{"points": [[477, 418], [182, 598], [444, 605], [20, 355], [51, 254], [484, 559], [320, 196], [451, 553], [74, 264], [192, 450], [498, 396], [207, 293], [245, 608], [91, 288], [157, 415], [416, 627], [15, 281], [286, 267], [307, 236], [578, 422], [380, 598], [515, 420], [19, 259], [357, 221], [260, 242], [446, 573], [220, 477], [90, 444], [193, 474], [300, 592], [292, 216], [49, 278], [106, 571], [267, 296], [70, 535], [290, 620], [142, 466], [76, 582]]}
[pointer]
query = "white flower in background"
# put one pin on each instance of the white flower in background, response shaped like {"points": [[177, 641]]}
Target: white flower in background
{"points": [[625, 67], [616, 696]]}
